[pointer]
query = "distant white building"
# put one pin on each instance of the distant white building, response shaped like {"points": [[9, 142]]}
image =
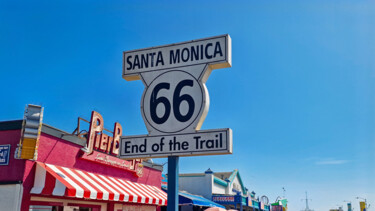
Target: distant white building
{"points": [[225, 188], [209, 183]]}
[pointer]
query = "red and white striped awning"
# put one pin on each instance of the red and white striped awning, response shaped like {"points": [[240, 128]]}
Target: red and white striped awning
{"points": [[61, 181]]}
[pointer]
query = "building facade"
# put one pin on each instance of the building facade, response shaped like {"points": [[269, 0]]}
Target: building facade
{"points": [[225, 188], [62, 175]]}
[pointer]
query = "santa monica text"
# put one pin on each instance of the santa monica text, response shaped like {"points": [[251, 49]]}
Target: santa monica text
{"points": [[177, 55], [193, 53]]}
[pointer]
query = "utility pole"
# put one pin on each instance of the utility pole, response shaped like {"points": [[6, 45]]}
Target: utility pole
{"points": [[307, 203]]}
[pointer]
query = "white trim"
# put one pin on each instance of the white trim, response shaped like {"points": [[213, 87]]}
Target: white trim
{"points": [[59, 189], [39, 180], [79, 190]]}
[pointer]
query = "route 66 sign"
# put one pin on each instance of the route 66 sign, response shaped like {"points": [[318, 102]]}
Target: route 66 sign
{"points": [[175, 100]]}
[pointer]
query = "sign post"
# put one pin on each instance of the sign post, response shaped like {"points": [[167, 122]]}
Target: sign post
{"points": [[173, 167], [175, 103]]}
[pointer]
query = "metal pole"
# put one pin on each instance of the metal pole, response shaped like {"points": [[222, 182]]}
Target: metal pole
{"points": [[307, 202], [173, 183]]}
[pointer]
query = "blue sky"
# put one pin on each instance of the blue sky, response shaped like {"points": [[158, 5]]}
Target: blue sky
{"points": [[299, 96]]}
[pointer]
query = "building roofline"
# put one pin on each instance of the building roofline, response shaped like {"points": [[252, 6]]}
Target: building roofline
{"points": [[11, 125], [233, 175], [192, 175], [219, 181], [55, 132]]}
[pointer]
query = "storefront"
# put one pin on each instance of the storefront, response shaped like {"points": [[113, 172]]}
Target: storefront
{"points": [[231, 202], [80, 171], [224, 188], [267, 207], [256, 205], [188, 201]]}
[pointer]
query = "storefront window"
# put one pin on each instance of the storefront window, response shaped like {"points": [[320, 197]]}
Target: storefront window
{"points": [[69, 208], [60, 208], [84, 209], [45, 208], [81, 207]]}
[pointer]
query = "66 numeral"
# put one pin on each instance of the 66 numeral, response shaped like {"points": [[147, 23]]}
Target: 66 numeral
{"points": [[177, 100]]}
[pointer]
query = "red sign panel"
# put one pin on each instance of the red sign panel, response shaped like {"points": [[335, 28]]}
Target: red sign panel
{"points": [[102, 148]]}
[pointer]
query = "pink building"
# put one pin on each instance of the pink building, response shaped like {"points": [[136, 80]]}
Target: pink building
{"points": [[64, 176]]}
